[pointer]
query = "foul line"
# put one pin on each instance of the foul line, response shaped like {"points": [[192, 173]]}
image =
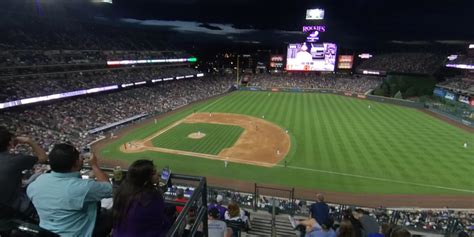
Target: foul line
{"points": [[379, 179], [209, 105]]}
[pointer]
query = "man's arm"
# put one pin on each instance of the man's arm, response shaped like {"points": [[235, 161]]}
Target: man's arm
{"points": [[38, 151], [99, 174], [228, 232], [101, 188]]}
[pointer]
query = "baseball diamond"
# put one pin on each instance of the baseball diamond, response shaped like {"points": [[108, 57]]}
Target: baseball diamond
{"points": [[336, 143]]}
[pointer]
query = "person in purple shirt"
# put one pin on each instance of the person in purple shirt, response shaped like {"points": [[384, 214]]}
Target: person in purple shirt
{"points": [[218, 204], [139, 208]]}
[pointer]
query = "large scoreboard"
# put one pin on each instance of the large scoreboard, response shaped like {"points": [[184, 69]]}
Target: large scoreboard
{"points": [[311, 57]]}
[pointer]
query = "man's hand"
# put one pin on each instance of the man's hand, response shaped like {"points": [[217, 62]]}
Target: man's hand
{"points": [[93, 160], [37, 149], [99, 174]]}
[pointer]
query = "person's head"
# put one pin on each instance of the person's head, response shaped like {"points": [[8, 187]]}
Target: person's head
{"points": [[219, 199], [400, 232], [65, 158], [358, 213], [6, 139], [319, 197], [137, 186], [386, 228], [213, 213], [180, 193], [233, 209], [346, 229], [141, 173], [326, 225]]}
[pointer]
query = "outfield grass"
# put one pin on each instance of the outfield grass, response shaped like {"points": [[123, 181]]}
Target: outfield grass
{"points": [[218, 137], [338, 144]]}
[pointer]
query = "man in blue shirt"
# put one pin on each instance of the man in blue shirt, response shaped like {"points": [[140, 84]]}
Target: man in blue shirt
{"points": [[320, 210], [67, 204]]}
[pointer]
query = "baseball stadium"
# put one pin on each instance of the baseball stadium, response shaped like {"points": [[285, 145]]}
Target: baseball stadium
{"points": [[188, 118]]}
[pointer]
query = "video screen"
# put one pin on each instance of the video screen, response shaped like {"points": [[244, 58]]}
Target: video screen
{"points": [[315, 14], [311, 57], [276, 61], [345, 61]]}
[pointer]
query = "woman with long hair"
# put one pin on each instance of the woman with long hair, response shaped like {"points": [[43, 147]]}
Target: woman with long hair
{"points": [[346, 229], [139, 208]]}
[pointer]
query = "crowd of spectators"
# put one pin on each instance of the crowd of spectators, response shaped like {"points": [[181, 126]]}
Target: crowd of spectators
{"points": [[342, 82], [71, 119], [48, 84], [415, 219], [459, 84], [59, 32], [419, 63], [38, 58]]}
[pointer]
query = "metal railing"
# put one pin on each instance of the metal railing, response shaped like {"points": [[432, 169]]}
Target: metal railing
{"points": [[197, 202]]}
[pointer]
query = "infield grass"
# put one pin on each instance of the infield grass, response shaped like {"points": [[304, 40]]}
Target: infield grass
{"points": [[338, 144], [217, 137]]}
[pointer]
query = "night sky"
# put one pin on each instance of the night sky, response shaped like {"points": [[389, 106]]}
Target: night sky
{"points": [[388, 20], [350, 23]]}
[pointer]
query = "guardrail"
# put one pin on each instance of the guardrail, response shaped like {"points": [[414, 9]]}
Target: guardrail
{"points": [[197, 202]]}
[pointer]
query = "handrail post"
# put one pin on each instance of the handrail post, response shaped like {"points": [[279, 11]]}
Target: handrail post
{"points": [[255, 198], [204, 203], [273, 218]]}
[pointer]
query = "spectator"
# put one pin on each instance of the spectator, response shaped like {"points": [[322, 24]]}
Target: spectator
{"points": [[216, 227], [66, 204], [323, 230], [139, 208], [399, 232], [356, 225], [314, 229], [218, 204], [11, 167], [320, 210], [190, 221], [235, 214], [180, 198], [369, 223], [346, 229]]}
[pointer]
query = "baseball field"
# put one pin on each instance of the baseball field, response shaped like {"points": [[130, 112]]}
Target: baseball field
{"points": [[307, 140]]}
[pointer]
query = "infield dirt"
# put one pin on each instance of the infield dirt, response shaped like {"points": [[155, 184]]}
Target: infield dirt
{"points": [[262, 143]]}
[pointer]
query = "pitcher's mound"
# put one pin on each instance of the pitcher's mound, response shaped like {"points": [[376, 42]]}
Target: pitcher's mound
{"points": [[196, 135]]}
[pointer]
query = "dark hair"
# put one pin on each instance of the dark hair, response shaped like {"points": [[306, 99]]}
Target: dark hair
{"points": [[361, 211], [214, 212], [397, 231], [180, 193], [5, 138], [63, 157], [346, 229], [137, 186]]}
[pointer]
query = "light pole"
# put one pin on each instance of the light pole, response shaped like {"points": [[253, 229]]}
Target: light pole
{"points": [[238, 69]]}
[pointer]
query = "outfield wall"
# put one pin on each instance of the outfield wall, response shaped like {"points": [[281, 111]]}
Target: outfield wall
{"points": [[394, 101], [452, 117]]}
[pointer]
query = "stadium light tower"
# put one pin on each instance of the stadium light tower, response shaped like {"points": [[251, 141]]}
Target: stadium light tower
{"points": [[238, 68]]}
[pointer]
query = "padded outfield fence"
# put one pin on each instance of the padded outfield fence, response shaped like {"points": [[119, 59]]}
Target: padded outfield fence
{"points": [[366, 95]]}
